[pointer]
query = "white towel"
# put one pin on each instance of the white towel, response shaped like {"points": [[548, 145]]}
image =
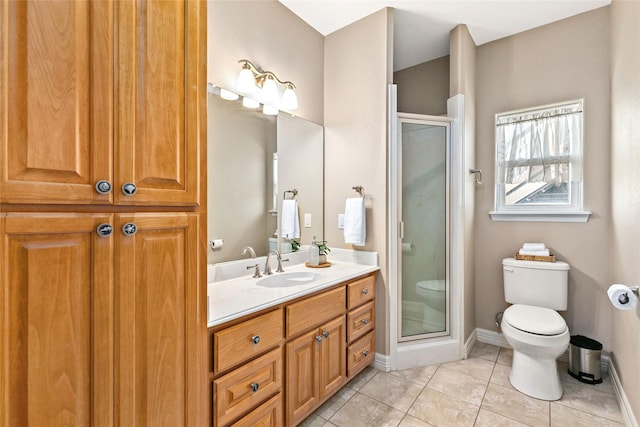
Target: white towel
{"points": [[523, 251], [534, 246], [355, 226], [290, 220]]}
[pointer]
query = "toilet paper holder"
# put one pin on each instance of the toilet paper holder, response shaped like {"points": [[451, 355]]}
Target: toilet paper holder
{"points": [[634, 289]]}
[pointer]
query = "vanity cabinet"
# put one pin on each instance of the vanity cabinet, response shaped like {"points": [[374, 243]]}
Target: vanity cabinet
{"points": [[101, 92], [317, 342], [103, 296]]}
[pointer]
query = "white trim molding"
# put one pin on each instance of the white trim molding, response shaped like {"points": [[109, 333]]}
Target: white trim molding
{"points": [[625, 407], [382, 362]]}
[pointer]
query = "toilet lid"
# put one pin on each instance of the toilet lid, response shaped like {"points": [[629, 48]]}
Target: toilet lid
{"points": [[431, 285], [534, 320]]}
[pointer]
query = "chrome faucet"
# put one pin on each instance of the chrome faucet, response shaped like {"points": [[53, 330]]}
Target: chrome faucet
{"points": [[267, 265], [249, 250], [280, 261]]}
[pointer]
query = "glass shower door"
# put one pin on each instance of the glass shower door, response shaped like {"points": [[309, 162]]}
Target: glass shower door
{"points": [[424, 236]]}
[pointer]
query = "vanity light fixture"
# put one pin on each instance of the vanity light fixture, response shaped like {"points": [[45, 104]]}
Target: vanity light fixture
{"points": [[252, 78], [228, 95]]}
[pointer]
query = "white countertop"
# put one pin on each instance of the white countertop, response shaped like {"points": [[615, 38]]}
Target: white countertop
{"points": [[235, 297]]}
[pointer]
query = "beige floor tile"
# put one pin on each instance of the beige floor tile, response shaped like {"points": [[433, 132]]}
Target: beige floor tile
{"points": [[489, 419], [585, 397], [329, 424], [363, 411], [397, 392], [515, 405], [564, 416], [337, 401], [476, 367], [409, 421], [362, 378], [484, 351], [505, 356], [440, 409], [458, 385], [500, 375], [419, 376], [313, 420]]}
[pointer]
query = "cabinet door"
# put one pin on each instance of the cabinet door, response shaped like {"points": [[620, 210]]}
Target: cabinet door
{"points": [[303, 364], [56, 101], [56, 328], [160, 370], [161, 95], [333, 366]]}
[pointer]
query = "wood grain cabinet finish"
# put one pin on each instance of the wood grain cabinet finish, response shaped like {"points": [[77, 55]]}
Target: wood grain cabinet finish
{"points": [[101, 91], [360, 291], [56, 327], [269, 414], [360, 321]]}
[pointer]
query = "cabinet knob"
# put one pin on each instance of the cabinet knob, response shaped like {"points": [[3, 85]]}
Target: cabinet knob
{"points": [[104, 230], [365, 321], [103, 186], [325, 334], [129, 189], [365, 353], [129, 229], [318, 338], [365, 291], [255, 339], [254, 387]]}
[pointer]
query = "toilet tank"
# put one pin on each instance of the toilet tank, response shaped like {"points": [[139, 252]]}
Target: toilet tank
{"points": [[542, 284]]}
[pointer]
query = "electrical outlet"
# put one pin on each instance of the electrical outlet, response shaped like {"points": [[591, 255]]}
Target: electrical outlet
{"points": [[307, 220], [340, 221]]}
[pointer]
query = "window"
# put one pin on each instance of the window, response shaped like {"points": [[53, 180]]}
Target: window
{"points": [[539, 164]]}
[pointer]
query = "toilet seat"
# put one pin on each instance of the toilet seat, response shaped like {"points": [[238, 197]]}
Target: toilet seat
{"points": [[431, 285], [534, 320]]}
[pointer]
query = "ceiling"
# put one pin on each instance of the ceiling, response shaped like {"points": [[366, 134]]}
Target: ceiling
{"points": [[422, 26]]}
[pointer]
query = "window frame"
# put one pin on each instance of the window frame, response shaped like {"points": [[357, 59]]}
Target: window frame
{"points": [[572, 212]]}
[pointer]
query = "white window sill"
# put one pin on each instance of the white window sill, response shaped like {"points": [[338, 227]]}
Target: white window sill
{"points": [[538, 216]]}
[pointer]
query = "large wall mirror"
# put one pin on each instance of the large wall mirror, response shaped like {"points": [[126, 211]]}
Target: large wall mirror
{"points": [[253, 159]]}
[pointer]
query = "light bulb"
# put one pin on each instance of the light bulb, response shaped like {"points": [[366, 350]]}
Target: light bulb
{"points": [[289, 99], [269, 110], [269, 91], [249, 103], [228, 95], [246, 82]]}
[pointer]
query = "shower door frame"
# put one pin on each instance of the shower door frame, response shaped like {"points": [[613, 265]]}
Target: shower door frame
{"points": [[427, 120]]}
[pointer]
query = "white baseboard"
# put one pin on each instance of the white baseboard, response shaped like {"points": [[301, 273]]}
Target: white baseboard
{"points": [[627, 413], [468, 345], [490, 337], [382, 362]]}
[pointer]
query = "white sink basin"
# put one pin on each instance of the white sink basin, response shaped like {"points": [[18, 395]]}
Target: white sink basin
{"points": [[285, 280]]}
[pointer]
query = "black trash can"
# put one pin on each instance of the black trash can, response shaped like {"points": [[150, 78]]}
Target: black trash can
{"points": [[584, 359]]}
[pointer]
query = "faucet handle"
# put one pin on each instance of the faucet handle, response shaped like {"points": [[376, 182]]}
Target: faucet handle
{"points": [[256, 273], [280, 261]]}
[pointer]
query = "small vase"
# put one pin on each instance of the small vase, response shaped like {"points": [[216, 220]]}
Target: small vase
{"points": [[323, 259]]}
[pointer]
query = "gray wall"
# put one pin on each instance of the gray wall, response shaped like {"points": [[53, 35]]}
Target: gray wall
{"points": [[561, 61], [625, 190], [424, 88]]}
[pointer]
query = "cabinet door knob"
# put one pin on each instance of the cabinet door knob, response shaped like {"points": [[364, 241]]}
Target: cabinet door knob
{"points": [[129, 229], [254, 387], [365, 321], [255, 339], [318, 338], [129, 189], [104, 230], [365, 291], [103, 186], [365, 353], [325, 334]]}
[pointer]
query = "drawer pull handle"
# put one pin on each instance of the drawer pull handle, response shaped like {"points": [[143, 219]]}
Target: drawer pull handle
{"points": [[365, 291], [365, 321], [365, 353], [318, 338], [255, 339], [255, 387], [325, 334]]}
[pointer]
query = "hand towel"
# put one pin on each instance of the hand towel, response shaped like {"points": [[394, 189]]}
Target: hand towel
{"points": [[290, 220], [523, 251], [534, 246], [355, 227]]}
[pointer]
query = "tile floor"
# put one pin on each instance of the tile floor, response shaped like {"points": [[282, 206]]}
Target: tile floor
{"points": [[472, 392]]}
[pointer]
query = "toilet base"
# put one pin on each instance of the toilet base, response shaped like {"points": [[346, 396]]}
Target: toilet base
{"points": [[535, 378]]}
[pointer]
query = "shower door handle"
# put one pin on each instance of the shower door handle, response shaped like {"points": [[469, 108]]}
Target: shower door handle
{"points": [[401, 230]]}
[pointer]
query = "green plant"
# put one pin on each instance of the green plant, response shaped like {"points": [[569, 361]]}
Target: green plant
{"points": [[322, 247], [295, 245]]}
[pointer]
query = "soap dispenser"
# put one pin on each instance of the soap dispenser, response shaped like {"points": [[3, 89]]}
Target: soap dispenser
{"points": [[314, 255]]}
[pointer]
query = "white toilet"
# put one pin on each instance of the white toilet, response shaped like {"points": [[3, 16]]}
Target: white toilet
{"points": [[532, 326], [434, 294]]}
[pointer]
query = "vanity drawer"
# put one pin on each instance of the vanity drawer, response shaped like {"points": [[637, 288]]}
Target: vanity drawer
{"points": [[311, 312], [361, 291], [360, 354], [360, 321], [269, 414], [240, 342], [245, 388]]}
